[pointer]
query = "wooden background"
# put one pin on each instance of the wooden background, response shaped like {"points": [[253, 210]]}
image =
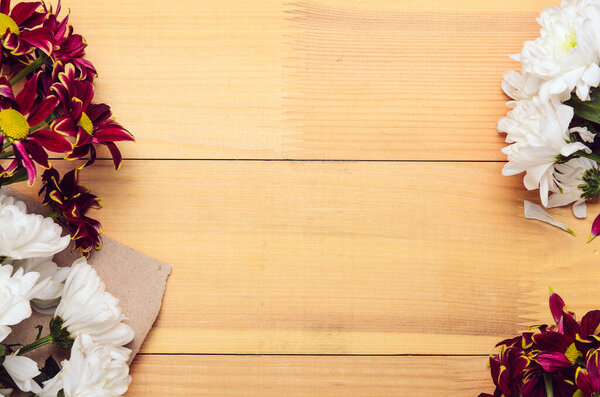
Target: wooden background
{"points": [[324, 176]]}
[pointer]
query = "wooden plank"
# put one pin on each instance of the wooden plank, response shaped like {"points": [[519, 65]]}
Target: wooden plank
{"points": [[342, 257], [309, 376], [327, 79]]}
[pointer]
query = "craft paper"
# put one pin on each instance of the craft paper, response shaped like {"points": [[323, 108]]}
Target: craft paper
{"points": [[137, 280]]}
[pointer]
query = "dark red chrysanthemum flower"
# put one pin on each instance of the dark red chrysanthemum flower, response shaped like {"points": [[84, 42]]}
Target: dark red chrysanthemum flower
{"points": [[88, 123], [71, 201], [563, 357], [22, 30], [68, 46], [20, 119]]}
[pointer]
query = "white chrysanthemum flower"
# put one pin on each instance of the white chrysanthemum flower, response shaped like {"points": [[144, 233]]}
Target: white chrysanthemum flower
{"points": [[22, 370], [92, 370], [564, 58], [541, 133], [16, 290], [568, 177], [47, 298], [25, 236], [87, 308], [523, 123]]}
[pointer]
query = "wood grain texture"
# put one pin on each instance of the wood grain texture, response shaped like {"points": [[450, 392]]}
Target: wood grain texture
{"points": [[309, 79], [309, 376], [350, 257], [284, 257]]}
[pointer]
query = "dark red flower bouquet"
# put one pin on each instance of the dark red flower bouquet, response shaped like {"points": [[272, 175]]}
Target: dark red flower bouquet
{"points": [[46, 106], [560, 360]]}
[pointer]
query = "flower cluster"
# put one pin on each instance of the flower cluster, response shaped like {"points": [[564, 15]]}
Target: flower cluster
{"points": [[47, 107], [562, 359], [86, 320], [553, 125]]}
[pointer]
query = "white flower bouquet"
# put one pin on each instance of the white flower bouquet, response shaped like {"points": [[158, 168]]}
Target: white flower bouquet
{"points": [[553, 125], [87, 321]]}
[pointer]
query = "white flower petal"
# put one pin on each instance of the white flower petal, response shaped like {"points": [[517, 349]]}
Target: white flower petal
{"points": [[22, 370], [87, 308], [580, 209], [536, 212], [92, 370]]}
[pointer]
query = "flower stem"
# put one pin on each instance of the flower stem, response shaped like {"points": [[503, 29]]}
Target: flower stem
{"points": [[37, 127], [6, 154], [30, 68], [37, 343], [7, 144], [548, 384]]}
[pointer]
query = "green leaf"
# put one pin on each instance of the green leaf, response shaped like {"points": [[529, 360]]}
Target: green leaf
{"points": [[589, 110]]}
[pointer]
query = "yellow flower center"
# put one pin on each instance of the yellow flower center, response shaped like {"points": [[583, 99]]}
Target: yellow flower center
{"points": [[13, 125], [86, 124], [572, 353], [7, 22], [570, 42]]}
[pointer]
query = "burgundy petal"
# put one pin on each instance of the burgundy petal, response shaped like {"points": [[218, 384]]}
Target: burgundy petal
{"points": [[85, 92], [22, 11], [552, 362], [552, 341], [568, 325], [76, 108], [594, 371], [112, 133], [42, 111], [595, 228], [5, 7], [11, 41], [556, 306], [590, 323], [26, 97], [534, 387], [583, 381], [52, 141], [6, 88], [65, 126], [78, 152], [99, 113], [24, 157], [36, 152], [116, 155], [40, 38]]}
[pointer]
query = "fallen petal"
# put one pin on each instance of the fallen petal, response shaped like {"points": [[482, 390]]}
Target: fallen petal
{"points": [[535, 211], [595, 229]]}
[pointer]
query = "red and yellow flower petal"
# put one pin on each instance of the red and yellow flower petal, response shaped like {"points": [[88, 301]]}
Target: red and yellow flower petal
{"points": [[39, 38], [42, 111], [556, 306], [6, 89], [26, 98], [116, 155], [51, 140], [590, 323], [110, 131], [23, 11], [553, 362], [23, 156]]}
